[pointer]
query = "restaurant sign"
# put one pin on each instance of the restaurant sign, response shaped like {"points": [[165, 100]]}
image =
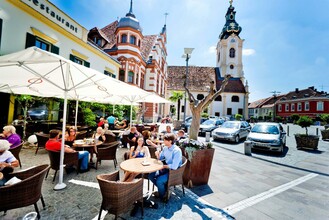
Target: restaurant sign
{"points": [[54, 14]]}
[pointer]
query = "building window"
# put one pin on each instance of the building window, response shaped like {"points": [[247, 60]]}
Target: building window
{"points": [[240, 111], [133, 40], [299, 106], [122, 75], [200, 97], [32, 40], [217, 114], [280, 108], [218, 57], [287, 107], [218, 98], [293, 107], [124, 38], [229, 111], [79, 60], [130, 77], [231, 66], [109, 74], [307, 106], [232, 52], [319, 106], [98, 41], [235, 98]]}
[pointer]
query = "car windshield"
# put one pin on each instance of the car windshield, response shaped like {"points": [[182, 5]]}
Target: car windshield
{"points": [[229, 124], [265, 129], [209, 122]]}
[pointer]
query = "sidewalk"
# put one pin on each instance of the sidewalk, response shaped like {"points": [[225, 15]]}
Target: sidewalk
{"points": [[234, 179]]}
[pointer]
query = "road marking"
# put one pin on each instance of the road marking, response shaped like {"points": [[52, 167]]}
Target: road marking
{"points": [[232, 209], [85, 183]]}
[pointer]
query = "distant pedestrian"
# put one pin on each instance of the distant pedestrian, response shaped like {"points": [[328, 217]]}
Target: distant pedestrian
{"points": [[111, 120]]}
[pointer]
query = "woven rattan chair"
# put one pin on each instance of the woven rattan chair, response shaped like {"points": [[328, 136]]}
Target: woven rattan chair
{"points": [[42, 140], [15, 151], [70, 159], [81, 135], [26, 192], [119, 196], [110, 138], [107, 151]]}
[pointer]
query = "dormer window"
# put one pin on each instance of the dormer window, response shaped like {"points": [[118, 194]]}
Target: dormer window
{"points": [[133, 40], [124, 38], [98, 41], [232, 52]]}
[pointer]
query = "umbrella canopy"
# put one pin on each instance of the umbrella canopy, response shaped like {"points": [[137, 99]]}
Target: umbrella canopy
{"points": [[37, 72]]}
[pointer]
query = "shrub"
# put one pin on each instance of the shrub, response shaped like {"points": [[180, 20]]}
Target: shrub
{"points": [[89, 117], [294, 118], [204, 115], [305, 122], [238, 117], [325, 118]]}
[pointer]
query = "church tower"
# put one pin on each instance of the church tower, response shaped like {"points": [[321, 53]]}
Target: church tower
{"points": [[229, 47]]}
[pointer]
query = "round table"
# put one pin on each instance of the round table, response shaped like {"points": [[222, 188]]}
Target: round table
{"points": [[91, 148], [135, 165]]}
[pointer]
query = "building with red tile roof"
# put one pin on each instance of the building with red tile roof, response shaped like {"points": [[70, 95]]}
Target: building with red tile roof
{"points": [[142, 57]]}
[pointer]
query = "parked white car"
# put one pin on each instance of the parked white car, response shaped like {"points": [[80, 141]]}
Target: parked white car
{"points": [[267, 136], [231, 131]]}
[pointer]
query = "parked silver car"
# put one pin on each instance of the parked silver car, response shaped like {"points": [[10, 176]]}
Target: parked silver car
{"points": [[267, 136], [232, 131], [209, 125]]}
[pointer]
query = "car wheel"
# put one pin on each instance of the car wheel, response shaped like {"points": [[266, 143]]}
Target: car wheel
{"points": [[237, 139]]}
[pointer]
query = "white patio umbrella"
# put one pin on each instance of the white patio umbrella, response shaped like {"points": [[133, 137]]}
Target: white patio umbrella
{"points": [[37, 72]]}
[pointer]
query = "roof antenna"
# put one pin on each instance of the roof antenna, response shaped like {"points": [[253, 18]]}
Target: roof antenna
{"points": [[166, 14]]}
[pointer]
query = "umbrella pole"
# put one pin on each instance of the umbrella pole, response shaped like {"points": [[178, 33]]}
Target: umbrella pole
{"points": [[76, 114], [60, 185], [131, 115]]}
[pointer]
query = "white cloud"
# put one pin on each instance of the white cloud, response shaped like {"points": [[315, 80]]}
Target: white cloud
{"points": [[248, 52], [212, 50]]}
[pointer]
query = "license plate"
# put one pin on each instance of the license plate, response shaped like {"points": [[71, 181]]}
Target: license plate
{"points": [[261, 144]]}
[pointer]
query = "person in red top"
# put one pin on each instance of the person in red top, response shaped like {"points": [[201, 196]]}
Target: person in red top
{"points": [[54, 144]]}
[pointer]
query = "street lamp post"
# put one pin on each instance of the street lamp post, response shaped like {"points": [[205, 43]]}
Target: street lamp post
{"points": [[186, 56]]}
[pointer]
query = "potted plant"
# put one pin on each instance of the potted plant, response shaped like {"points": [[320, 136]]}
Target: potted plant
{"points": [[200, 156], [325, 132], [305, 140]]}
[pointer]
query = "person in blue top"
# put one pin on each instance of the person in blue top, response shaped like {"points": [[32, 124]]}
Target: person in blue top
{"points": [[173, 160], [139, 151], [111, 120]]}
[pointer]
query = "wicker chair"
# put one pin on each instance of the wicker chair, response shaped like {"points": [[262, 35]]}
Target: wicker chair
{"points": [[26, 192], [110, 138], [107, 151], [175, 177], [42, 140], [81, 135], [70, 159], [152, 151], [15, 151], [119, 196]]}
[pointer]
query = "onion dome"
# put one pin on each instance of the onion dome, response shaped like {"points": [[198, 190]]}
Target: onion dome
{"points": [[130, 20], [231, 26]]}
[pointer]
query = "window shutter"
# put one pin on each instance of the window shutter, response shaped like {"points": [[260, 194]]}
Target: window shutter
{"points": [[54, 49], [72, 57], [30, 40], [0, 31], [87, 64]]}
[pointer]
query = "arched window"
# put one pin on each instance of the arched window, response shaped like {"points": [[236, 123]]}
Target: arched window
{"points": [[122, 75], [235, 98], [133, 40], [124, 38], [218, 57], [130, 77], [200, 96], [219, 98], [232, 52]]}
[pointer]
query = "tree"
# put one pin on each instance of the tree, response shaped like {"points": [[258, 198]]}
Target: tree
{"points": [[176, 97], [305, 122], [197, 106]]}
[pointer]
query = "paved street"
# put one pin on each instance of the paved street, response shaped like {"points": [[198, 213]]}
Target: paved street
{"points": [[261, 186]]}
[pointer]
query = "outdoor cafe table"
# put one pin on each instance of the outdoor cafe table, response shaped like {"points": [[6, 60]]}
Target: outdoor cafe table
{"points": [[90, 147], [135, 165]]}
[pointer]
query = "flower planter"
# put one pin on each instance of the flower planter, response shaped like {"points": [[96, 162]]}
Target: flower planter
{"points": [[325, 134], [197, 169], [307, 141]]}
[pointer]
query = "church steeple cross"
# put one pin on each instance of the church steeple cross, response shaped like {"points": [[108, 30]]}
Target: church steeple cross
{"points": [[231, 2]]}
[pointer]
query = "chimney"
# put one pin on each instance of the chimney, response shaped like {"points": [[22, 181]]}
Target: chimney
{"points": [[311, 87], [296, 90]]}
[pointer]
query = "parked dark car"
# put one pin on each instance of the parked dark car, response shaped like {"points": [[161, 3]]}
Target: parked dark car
{"points": [[267, 136], [210, 125], [38, 114], [187, 124], [232, 131]]}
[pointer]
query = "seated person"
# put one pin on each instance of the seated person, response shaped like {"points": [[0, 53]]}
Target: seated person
{"points": [[132, 136], [70, 136], [147, 139], [181, 135], [121, 125], [166, 120], [154, 132], [54, 144], [101, 122], [168, 130], [7, 161], [173, 160], [99, 135], [139, 150], [9, 134]]}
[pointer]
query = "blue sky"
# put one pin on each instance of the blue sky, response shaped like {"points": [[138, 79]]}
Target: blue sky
{"points": [[286, 42]]}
